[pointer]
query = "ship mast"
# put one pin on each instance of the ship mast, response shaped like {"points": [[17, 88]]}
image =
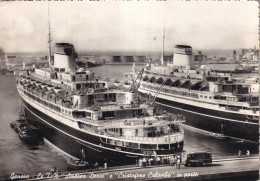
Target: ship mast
{"points": [[49, 36], [162, 58]]}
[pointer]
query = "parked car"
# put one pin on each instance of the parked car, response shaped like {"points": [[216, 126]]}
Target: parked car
{"points": [[198, 158]]}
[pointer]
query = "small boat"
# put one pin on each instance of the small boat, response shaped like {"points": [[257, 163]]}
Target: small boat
{"points": [[25, 131], [115, 82], [17, 123], [127, 84], [219, 136], [78, 165]]}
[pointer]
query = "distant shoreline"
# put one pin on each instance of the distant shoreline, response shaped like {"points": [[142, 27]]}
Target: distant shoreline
{"points": [[216, 52], [136, 63]]}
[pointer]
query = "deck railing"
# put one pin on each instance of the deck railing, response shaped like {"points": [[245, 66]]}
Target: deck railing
{"points": [[145, 121], [171, 138]]}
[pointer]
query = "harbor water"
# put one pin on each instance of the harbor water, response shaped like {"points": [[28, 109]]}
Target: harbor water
{"points": [[19, 157]]}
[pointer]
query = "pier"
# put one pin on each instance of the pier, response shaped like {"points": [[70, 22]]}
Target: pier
{"points": [[224, 168]]}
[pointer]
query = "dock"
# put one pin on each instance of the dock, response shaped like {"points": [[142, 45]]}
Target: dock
{"points": [[222, 168]]}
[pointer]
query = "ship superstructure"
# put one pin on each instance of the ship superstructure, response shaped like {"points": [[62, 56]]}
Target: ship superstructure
{"points": [[220, 102], [85, 118]]}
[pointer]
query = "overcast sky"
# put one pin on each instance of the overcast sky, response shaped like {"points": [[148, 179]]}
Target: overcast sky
{"points": [[129, 26]]}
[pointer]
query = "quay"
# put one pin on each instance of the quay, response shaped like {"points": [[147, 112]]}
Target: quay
{"points": [[224, 168]]}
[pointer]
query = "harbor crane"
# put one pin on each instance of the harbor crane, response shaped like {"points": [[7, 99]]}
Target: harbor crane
{"points": [[135, 86], [159, 90]]}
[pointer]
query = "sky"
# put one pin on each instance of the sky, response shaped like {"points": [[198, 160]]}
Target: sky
{"points": [[116, 25]]}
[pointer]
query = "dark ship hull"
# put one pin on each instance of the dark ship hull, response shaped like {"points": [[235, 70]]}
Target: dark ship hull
{"points": [[71, 141], [234, 125]]}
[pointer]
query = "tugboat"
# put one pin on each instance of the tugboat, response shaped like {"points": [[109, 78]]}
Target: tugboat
{"points": [[17, 123], [25, 131]]}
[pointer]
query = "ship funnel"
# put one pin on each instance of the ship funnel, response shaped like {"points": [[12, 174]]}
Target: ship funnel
{"points": [[182, 56], [64, 58]]}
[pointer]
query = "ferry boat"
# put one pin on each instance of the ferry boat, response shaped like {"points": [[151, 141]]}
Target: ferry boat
{"points": [[85, 118], [225, 102]]}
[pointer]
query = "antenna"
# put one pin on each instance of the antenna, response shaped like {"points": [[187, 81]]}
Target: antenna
{"points": [[49, 36]]}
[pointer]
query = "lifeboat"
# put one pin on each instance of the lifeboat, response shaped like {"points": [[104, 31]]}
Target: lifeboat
{"points": [[78, 165], [59, 90], [50, 87]]}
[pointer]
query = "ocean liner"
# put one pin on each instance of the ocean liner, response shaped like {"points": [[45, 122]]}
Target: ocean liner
{"points": [[223, 103], [86, 118]]}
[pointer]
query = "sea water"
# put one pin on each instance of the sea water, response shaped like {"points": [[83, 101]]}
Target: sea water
{"points": [[19, 157]]}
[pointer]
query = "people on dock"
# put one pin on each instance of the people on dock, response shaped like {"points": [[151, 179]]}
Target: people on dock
{"points": [[150, 161], [53, 169], [172, 161], [96, 165], [158, 160], [144, 162], [178, 163], [140, 163], [247, 153], [239, 153], [83, 154]]}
